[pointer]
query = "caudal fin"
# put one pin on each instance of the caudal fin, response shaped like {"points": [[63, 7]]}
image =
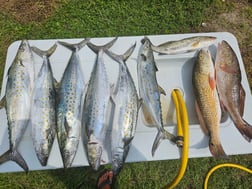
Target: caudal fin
{"points": [[161, 135], [16, 157], [74, 47], [245, 129], [97, 48], [216, 149], [46, 53]]}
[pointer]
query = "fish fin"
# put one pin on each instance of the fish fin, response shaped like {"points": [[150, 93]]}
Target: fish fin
{"points": [[147, 116], [228, 69], [201, 120], [139, 103], [195, 44], [245, 129], [16, 157], [46, 53], [216, 149], [3, 102], [97, 48], [123, 57], [155, 65], [159, 137], [211, 80], [161, 90], [242, 100], [76, 46]]}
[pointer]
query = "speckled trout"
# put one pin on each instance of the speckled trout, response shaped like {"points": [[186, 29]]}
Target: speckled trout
{"points": [[207, 102], [125, 99], [231, 92], [69, 108], [43, 111], [17, 101], [184, 45], [150, 91], [95, 108]]}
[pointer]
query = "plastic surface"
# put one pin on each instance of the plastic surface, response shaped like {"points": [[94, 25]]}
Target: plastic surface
{"points": [[175, 71]]}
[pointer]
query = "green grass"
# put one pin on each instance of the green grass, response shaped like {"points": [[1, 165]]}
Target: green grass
{"points": [[77, 19]]}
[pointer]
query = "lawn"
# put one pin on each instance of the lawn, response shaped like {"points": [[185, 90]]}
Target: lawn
{"points": [[78, 19]]}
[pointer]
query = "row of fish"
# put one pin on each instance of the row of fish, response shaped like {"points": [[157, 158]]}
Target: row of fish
{"points": [[64, 110], [218, 89]]}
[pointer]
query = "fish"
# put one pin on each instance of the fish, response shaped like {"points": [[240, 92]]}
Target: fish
{"points": [[69, 107], [17, 101], [43, 110], [231, 92], [184, 45], [149, 91], [95, 108], [207, 103], [127, 104]]}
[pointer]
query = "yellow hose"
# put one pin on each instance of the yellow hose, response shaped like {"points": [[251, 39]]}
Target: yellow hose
{"points": [[183, 131], [224, 165]]}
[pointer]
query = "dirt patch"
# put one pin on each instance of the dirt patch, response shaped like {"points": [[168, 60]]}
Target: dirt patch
{"points": [[28, 10], [238, 21]]}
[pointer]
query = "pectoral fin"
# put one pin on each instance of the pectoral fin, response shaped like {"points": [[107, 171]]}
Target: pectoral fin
{"points": [[161, 90], [2, 102], [211, 80]]}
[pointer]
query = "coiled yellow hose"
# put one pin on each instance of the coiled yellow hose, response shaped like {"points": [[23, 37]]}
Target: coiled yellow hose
{"points": [[182, 134]]}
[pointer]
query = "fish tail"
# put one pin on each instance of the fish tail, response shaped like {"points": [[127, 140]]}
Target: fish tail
{"points": [[159, 137], [46, 53], [123, 57], [216, 149], [96, 48], [246, 130], [74, 47], [16, 157]]}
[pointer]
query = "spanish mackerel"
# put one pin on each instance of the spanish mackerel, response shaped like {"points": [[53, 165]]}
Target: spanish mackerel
{"points": [[149, 90], [127, 104], [95, 108], [184, 45], [43, 110], [17, 101], [69, 108]]}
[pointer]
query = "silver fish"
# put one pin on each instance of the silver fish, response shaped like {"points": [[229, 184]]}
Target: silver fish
{"points": [[95, 108], [127, 104], [17, 101], [69, 108], [149, 90], [231, 92], [184, 45], [43, 111]]}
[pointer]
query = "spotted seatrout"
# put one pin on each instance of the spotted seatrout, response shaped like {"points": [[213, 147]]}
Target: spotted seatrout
{"points": [[184, 45]]}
